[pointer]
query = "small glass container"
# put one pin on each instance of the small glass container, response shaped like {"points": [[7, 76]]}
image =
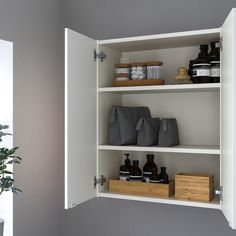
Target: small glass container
{"points": [[154, 70], [122, 72], [122, 69], [138, 71]]}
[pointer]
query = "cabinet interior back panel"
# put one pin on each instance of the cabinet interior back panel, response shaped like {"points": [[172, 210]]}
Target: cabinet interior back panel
{"points": [[172, 59], [197, 114]]}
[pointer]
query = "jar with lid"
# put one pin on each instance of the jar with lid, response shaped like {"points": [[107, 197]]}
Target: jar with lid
{"points": [[201, 72], [149, 168], [135, 172], [125, 169], [154, 70], [122, 72], [138, 71], [214, 56]]}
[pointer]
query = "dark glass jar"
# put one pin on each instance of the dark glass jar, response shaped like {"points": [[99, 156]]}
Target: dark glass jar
{"points": [[164, 178], [201, 72], [155, 178], [214, 57], [190, 68], [125, 169], [149, 168], [135, 172]]}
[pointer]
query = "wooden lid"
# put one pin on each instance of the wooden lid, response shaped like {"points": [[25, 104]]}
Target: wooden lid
{"points": [[122, 75], [154, 63], [135, 64], [122, 65]]}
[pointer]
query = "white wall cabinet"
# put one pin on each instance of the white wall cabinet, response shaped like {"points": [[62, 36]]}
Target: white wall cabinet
{"points": [[205, 113]]}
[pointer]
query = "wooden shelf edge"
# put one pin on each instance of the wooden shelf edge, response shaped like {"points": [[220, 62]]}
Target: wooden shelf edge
{"points": [[214, 204]]}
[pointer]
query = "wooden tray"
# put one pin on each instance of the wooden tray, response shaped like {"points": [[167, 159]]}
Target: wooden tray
{"points": [[142, 189], [143, 82], [194, 187]]}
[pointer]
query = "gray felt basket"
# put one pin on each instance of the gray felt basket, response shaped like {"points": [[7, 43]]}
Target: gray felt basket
{"points": [[122, 124], [148, 129], [168, 133]]}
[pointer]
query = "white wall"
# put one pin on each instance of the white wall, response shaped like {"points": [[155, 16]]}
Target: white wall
{"points": [[6, 118]]}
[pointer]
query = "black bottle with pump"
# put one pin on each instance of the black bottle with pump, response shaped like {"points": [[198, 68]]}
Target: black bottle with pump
{"points": [[125, 169], [135, 172], [149, 168]]}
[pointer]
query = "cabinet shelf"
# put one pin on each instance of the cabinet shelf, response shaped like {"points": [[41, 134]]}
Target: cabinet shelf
{"points": [[214, 204], [194, 149], [175, 88]]}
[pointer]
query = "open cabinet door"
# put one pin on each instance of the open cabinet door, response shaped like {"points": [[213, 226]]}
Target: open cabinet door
{"points": [[228, 118], [80, 118]]}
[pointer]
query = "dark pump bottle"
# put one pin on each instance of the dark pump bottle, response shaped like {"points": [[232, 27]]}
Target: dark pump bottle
{"points": [[149, 168], [135, 172], [201, 66], [125, 169]]}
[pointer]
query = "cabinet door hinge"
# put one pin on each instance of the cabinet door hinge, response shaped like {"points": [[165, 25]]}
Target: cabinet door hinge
{"points": [[221, 43], [219, 192], [100, 55], [100, 180]]}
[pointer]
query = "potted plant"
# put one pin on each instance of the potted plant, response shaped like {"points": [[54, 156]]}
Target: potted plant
{"points": [[7, 157]]}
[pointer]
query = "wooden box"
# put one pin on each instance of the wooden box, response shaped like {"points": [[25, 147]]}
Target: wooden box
{"points": [[141, 188], [194, 187]]}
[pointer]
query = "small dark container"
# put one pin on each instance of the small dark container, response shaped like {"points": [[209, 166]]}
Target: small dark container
{"points": [[155, 178], [135, 172], [163, 176], [149, 168], [125, 169], [201, 67]]}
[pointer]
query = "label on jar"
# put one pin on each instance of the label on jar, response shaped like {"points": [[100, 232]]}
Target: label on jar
{"points": [[123, 177], [136, 177], [201, 72], [147, 173], [215, 68], [155, 181], [124, 172], [201, 69], [215, 72]]}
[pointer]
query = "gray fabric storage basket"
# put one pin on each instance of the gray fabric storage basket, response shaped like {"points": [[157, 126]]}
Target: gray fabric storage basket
{"points": [[168, 133], [148, 129], [122, 124]]}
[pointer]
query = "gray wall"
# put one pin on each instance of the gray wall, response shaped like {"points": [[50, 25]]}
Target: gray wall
{"points": [[110, 19], [36, 29], [105, 19]]}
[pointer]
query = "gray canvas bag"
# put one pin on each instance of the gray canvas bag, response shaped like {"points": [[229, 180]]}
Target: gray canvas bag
{"points": [[168, 133], [122, 124], [148, 129]]}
